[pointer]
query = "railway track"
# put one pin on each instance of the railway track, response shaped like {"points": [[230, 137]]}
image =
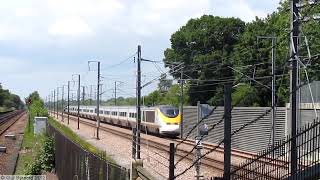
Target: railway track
{"points": [[213, 160], [8, 119]]}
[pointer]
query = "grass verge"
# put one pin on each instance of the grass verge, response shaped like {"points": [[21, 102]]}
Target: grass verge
{"points": [[66, 131], [29, 149]]}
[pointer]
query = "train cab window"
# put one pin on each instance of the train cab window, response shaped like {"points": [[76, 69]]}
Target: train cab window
{"points": [[169, 111]]}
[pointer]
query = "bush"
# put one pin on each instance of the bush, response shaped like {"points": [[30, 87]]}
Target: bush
{"points": [[44, 160]]}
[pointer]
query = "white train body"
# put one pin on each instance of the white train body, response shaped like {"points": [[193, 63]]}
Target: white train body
{"points": [[163, 120]]}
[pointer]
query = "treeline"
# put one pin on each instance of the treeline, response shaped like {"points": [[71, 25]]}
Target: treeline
{"points": [[215, 50], [9, 101]]}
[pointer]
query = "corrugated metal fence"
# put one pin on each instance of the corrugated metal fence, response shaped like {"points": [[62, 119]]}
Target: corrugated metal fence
{"points": [[258, 134], [73, 162]]}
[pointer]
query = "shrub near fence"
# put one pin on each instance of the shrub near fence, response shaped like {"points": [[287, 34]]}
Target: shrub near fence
{"points": [[72, 162]]}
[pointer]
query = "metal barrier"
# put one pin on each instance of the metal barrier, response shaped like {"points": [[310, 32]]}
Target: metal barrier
{"points": [[74, 163], [274, 162]]}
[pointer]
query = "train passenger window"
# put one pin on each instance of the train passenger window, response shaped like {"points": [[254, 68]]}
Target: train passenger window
{"points": [[100, 112], [123, 114], [91, 111], [149, 116]]}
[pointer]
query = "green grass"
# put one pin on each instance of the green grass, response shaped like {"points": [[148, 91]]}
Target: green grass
{"points": [[75, 138], [30, 147]]}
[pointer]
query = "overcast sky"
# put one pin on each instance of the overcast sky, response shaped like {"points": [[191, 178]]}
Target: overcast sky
{"points": [[44, 42]]}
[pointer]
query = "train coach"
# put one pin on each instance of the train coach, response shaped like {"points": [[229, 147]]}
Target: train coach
{"points": [[163, 120]]}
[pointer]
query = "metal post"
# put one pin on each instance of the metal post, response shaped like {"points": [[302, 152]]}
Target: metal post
{"points": [[134, 141], [62, 103], [68, 101], [83, 95], [49, 101], [78, 100], [294, 39], [57, 103], [181, 101], [115, 93], [91, 95], [227, 131], [274, 106], [98, 101], [273, 85], [138, 89], [171, 162], [198, 144], [54, 101]]}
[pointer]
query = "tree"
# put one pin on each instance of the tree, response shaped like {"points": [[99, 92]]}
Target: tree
{"points": [[164, 84], [9, 100], [205, 46], [209, 44]]}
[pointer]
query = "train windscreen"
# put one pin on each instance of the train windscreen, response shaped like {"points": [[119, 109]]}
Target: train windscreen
{"points": [[169, 111]]}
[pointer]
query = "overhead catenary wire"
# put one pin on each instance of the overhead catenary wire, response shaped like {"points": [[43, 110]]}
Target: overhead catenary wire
{"points": [[121, 62]]}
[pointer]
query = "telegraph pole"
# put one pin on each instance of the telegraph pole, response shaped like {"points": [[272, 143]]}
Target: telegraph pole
{"points": [[98, 100], [57, 103], [115, 93], [198, 144], [138, 89], [294, 39], [273, 84], [68, 100], [54, 101], [62, 103], [91, 95], [78, 99], [182, 102], [83, 94], [98, 97], [227, 131]]}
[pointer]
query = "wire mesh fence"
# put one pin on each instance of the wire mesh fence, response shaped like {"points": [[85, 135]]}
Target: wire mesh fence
{"points": [[73, 162], [274, 162]]}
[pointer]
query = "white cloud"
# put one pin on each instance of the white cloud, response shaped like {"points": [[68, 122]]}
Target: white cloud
{"points": [[49, 31], [25, 12], [71, 27]]}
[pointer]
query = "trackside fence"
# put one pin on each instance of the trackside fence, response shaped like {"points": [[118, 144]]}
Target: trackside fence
{"points": [[274, 162], [74, 163]]}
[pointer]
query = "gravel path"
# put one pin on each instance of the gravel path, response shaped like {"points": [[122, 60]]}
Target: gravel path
{"points": [[8, 159], [119, 148]]}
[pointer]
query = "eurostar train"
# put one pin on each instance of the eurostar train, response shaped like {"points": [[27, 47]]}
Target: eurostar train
{"points": [[163, 120]]}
